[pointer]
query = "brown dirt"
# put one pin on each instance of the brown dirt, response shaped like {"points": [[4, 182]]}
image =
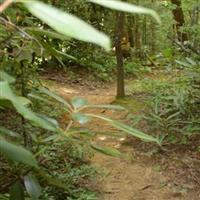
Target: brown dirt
{"points": [[143, 176]]}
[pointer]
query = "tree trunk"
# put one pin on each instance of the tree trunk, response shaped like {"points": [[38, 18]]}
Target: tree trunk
{"points": [[119, 54], [137, 37], [130, 31], [137, 34], [180, 20], [153, 34]]}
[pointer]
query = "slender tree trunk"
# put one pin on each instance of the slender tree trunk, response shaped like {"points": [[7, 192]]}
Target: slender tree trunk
{"points": [[137, 34], [130, 31], [180, 20], [137, 37], [119, 54], [144, 32], [153, 34]]}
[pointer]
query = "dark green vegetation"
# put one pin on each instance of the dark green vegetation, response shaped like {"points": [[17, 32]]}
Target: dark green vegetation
{"points": [[44, 157]]}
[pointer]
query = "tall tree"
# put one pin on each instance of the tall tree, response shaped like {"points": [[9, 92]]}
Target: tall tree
{"points": [[130, 23], [180, 20], [137, 34], [119, 53]]}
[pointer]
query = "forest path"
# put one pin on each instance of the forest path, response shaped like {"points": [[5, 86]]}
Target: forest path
{"points": [[136, 178]]}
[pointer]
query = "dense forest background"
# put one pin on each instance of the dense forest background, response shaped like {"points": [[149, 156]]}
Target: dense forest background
{"points": [[139, 73]]}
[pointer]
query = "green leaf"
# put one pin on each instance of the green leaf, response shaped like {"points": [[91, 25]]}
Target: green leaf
{"points": [[192, 62], [127, 129], [34, 96], [112, 107], [55, 96], [67, 24], [107, 150], [17, 191], [24, 101], [81, 118], [6, 93], [51, 138], [42, 32], [182, 63], [55, 52], [78, 102], [48, 120], [10, 133], [126, 7], [32, 186], [17, 153], [5, 77], [8, 104], [51, 180]]}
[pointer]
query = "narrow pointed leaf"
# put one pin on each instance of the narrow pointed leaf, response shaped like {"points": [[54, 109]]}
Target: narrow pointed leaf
{"points": [[112, 107], [67, 24], [127, 129], [6, 93], [32, 186], [55, 96], [107, 150], [10, 133], [126, 7], [51, 180], [17, 153], [55, 52], [42, 32], [5, 77], [34, 96]]}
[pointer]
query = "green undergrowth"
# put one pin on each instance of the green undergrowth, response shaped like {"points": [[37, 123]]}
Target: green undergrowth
{"points": [[133, 104], [65, 160], [168, 103]]}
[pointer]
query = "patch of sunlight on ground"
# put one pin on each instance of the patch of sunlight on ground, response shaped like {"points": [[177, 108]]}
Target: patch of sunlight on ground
{"points": [[67, 91], [102, 138]]}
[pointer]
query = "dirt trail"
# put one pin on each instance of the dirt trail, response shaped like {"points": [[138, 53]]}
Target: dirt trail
{"points": [[125, 179]]}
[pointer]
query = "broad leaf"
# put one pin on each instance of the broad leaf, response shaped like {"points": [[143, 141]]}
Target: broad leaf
{"points": [[6, 93], [24, 101], [78, 102], [32, 186], [55, 96], [81, 118], [8, 104], [17, 153], [67, 24], [126, 7]]}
